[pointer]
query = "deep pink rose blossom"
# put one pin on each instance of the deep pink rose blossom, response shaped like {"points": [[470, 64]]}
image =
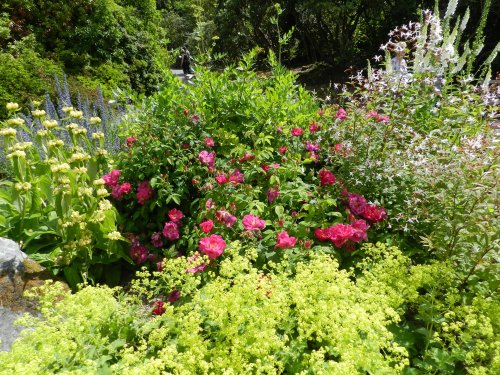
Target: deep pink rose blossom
{"points": [[209, 142], [282, 150], [297, 132], [360, 227], [314, 127], [171, 231], [207, 226], [174, 295], [159, 308], [144, 192], [341, 114], [225, 217], [272, 194], [356, 203], [221, 179], [207, 158], [312, 146], [236, 177], [340, 233], [321, 234], [138, 252], [326, 177], [212, 246], [284, 241], [131, 141], [175, 215], [156, 240], [111, 179], [373, 213], [251, 222]]}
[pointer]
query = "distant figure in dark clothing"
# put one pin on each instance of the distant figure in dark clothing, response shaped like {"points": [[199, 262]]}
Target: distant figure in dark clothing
{"points": [[186, 61]]}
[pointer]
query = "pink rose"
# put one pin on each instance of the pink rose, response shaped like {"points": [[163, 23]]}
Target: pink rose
{"points": [[156, 240], [321, 234], [272, 194], [221, 179], [312, 146], [139, 253], [131, 141], [144, 192], [340, 233], [207, 226], [159, 308], [356, 203], [111, 179], [212, 246], [209, 142], [175, 215], [209, 204], [341, 114], [251, 222], [326, 177], [225, 217], [373, 213], [236, 177], [171, 231], [282, 150], [174, 295], [297, 132], [382, 118], [314, 127], [284, 241], [360, 227], [246, 157], [207, 158]]}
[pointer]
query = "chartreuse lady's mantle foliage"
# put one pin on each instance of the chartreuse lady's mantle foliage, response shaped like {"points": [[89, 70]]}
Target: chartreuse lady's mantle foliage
{"points": [[245, 320]]}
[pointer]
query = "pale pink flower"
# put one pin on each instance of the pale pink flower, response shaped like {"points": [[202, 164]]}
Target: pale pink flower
{"points": [[209, 142]]}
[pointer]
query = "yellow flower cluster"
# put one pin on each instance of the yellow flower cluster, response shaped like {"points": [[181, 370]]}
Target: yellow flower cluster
{"points": [[15, 121]]}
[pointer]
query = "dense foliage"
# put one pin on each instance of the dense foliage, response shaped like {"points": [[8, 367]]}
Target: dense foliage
{"points": [[271, 232], [101, 43]]}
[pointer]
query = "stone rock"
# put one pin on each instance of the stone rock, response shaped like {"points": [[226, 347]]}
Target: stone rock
{"points": [[11, 257], [18, 273]]}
